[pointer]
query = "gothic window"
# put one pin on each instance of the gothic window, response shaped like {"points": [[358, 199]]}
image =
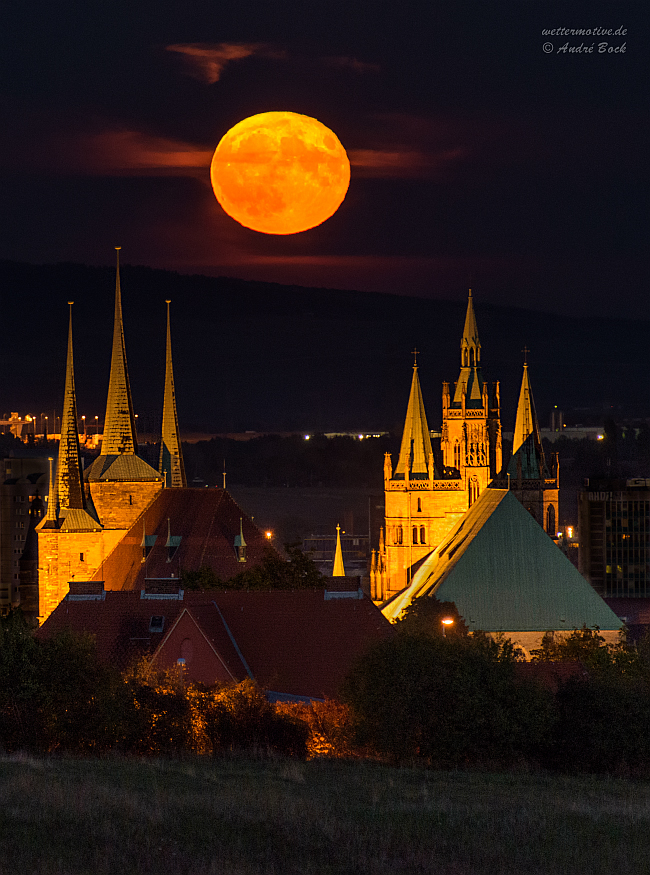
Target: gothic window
{"points": [[457, 455], [550, 521], [400, 535], [423, 535], [415, 534], [471, 358], [419, 504], [81, 557], [473, 490]]}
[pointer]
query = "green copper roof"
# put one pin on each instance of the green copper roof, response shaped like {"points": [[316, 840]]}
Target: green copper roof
{"points": [[504, 573]]}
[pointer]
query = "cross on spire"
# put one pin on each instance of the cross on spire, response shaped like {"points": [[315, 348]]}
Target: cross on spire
{"points": [[415, 352], [525, 351]]}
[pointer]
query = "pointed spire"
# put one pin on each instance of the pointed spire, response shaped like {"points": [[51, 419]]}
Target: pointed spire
{"points": [[339, 568], [119, 422], [526, 421], [415, 451], [171, 452], [69, 479], [52, 517], [470, 383]]}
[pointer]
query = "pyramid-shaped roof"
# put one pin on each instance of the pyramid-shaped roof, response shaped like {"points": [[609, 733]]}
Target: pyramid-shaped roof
{"points": [[504, 573], [415, 449]]}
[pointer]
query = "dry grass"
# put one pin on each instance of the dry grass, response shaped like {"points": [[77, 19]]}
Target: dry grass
{"points": [[243, 816]]}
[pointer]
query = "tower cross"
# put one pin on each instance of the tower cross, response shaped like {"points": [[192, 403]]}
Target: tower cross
{"points": [[415, 353], [525, 351]]}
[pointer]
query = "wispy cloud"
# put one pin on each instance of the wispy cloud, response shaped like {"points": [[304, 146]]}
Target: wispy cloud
{"points": [[206, 61], [402, 162]]}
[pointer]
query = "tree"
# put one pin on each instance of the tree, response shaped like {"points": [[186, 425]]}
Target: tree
{"points": [[425, 615], [274, 572]]}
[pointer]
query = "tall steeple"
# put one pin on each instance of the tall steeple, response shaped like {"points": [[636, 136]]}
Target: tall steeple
{"points": [[69, 471], [526, 421], [171, 453], [52, 517], [119, 422], [415, 451], [339, 568], [470, 382]]}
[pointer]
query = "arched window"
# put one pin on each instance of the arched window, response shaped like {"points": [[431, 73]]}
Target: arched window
{"points": [[423, 535], [415, 534], [473, 490], [550, 521], [400, 535], [457, 455], [419, 504], [471, 358]]}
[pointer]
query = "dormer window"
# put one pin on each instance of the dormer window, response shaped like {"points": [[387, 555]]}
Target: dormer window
{"points": [[173, 543], [156, 624]]}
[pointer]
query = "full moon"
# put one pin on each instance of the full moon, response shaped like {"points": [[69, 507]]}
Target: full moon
{"points": [[280, 172]]}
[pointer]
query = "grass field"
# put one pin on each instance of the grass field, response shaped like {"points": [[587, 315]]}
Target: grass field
{"points": [[246, 816]]}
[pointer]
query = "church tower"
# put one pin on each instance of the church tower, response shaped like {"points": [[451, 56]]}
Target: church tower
{"points": [[70, 537], [422, 504], [171, 465], [121, 484], [529, 475], [471, 425]]}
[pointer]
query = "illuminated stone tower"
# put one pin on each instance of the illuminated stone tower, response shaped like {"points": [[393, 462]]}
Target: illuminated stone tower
{"points": [[70, 541], [422, 504], [121, 484], [529, 475], [171, 465], [471, 425]]}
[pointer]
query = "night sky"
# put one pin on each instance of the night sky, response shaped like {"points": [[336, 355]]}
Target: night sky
{"points": [[477, 157]]}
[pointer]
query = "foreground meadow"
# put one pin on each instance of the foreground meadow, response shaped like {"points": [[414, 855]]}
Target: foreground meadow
{"points": [[241, 816]]}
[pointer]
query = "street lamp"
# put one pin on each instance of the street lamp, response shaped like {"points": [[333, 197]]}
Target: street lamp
{"points": [[97, 425], [446, 621], [83, 419]]}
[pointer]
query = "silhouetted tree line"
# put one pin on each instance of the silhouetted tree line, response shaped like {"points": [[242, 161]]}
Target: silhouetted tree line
{"points": [[447, 702], [276, 460], [580, 706]]}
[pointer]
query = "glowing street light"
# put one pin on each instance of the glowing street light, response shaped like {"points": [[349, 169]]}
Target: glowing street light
{"points": [[268, 535], [446, 621]]}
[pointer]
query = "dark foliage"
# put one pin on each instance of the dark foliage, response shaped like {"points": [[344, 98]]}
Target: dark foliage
{"points": [[425, 615], [296, 572], [449, 701]]}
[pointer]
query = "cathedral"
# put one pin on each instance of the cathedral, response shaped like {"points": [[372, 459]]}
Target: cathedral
{"points": [[427, 493], [122, 522]]}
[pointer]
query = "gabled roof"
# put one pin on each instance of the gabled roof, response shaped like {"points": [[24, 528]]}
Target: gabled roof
{"points": [[504, 573], [415, 449], [296, 643], [205, 520]]}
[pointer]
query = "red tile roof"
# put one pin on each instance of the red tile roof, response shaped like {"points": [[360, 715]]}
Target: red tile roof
{"points": [[295, 643], [207, 521]]}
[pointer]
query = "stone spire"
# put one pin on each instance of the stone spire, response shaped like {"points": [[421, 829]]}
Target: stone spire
{"points": [[339, 568], [470, 381], [69, 477], [119, 422], [171, 453], [415, 451], [526, 421], [52, 517]]}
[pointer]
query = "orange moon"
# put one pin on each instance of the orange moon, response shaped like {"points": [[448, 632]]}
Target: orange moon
{"points": [[280, 172]]}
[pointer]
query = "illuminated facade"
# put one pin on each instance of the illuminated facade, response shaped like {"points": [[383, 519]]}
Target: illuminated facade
{"points": [[85, 520], [424, 501]]}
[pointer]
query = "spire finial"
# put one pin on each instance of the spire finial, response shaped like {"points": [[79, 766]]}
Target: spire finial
{"points": [[415, 352], [525, 351], [339, 568]]}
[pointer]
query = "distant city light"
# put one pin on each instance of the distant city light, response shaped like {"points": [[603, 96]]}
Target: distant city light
{"points": [[268, 535], [599, 437], [307, 437], [569, 531]]}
